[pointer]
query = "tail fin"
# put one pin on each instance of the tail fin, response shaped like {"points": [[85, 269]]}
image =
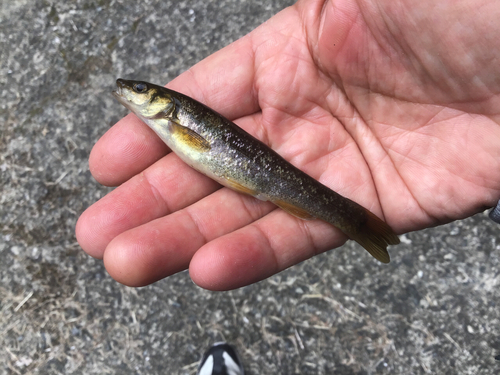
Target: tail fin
{"points": [[374, 235]]}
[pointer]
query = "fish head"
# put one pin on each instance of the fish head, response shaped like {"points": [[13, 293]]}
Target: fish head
{"points": [[144, 99]]}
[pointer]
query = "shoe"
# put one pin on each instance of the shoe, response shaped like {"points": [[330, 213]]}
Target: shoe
{"points": [[220, 359]]}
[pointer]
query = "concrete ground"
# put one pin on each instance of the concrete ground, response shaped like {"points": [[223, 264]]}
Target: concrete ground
{"points": [[433, 310]]}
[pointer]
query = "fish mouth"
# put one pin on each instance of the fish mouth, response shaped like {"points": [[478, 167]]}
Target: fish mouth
{"points": [[118, 92], [120, 97]]}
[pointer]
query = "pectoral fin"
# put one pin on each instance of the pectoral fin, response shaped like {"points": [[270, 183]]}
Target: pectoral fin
{"points": [[189, 137], [293, 210]]}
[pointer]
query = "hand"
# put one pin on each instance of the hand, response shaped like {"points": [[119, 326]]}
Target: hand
{"points": [[394, 105]]}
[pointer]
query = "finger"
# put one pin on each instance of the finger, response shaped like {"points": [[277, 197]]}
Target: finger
{"points": [[224, 80], [166, 245], [165, 187], [257, 251], [124, 150]]}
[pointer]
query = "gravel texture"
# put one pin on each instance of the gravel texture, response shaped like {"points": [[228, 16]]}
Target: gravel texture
{"points": [[434, 309]]}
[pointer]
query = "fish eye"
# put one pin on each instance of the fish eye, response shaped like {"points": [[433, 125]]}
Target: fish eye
{"points": [[140, 87]]}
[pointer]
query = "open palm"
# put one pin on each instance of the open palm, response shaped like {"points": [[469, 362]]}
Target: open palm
{"points": [[394, 105]]}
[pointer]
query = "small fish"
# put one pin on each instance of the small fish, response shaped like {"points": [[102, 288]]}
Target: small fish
{"points": [[218, 148]]}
